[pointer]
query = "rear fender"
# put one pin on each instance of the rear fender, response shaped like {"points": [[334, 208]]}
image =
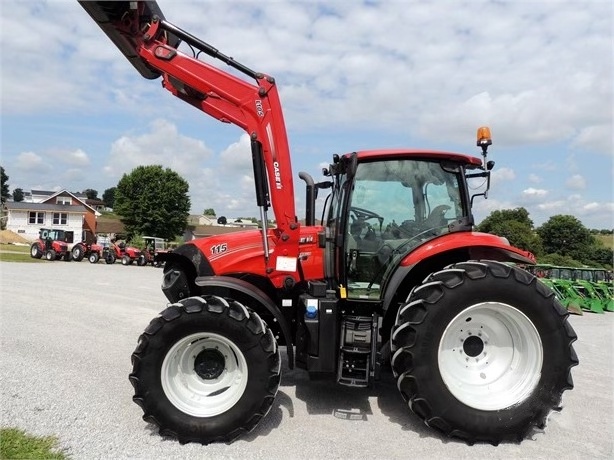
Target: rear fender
{"points": [[254, 298], [478, 246], [409, 275]]}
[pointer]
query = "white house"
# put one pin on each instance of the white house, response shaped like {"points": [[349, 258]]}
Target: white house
{"points": [[62, 210]]}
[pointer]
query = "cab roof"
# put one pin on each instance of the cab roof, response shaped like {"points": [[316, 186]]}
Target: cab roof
{"points": [[382, 154]]}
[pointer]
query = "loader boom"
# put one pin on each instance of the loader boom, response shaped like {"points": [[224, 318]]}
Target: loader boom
{"points": [[254, 107]]}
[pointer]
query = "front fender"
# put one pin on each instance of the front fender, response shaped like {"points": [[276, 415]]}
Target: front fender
{"points": [[214, 284]]}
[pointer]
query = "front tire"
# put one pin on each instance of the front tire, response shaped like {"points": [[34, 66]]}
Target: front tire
{"points": [[206, 370], [50, 254], [94, 258], [126, 260], [483, 352]]}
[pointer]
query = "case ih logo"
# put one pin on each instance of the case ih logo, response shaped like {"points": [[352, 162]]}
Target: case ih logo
{"points": [[277, 175], [259, 108]]}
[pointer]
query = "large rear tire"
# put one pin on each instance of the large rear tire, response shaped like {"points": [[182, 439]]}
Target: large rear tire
{"points": [[110, 258], [206, 370], [78, 252], [483, 352]]}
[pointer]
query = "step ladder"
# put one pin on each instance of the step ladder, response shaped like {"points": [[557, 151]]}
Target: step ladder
{"points": [[357, 356]]}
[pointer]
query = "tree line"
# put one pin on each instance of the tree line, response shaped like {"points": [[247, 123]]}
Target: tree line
{"points": [[561, 240]]}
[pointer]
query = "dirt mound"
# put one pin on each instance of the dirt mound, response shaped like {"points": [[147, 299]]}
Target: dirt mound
{"points": [[7, 236]]}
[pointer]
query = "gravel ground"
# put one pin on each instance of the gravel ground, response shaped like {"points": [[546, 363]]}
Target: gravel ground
{"points": [[67, 331]]}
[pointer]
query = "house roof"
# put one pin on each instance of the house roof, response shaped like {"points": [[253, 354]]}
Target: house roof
{"points": [[106, 225], [94, 202], [43, 192], [80, 197], [21, 205], [210, 230], [53, 192]]}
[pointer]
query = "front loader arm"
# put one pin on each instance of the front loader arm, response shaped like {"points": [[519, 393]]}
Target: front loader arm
{"points": [[150, 43]]}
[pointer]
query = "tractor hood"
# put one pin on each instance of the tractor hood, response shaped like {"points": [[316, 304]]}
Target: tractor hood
{"points": [[114, 17]]}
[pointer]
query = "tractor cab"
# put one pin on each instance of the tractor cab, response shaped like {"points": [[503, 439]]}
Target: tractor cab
{"points": [[386, 204], [49, 235], [52, 234]]}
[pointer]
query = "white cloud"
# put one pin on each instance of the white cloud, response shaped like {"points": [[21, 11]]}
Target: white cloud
{"points": [[30, 161], [503, 174], [576, 182], [595, 138], [162, 145], [534, 192], [73, 158], [237, 156]]}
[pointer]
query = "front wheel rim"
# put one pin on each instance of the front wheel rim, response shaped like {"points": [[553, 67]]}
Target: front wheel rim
{"points": [[490, 356], [204, 374]]}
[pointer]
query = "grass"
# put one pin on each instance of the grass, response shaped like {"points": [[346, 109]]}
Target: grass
{"points": [[15, 248], [607, 240], [13, 253], [16, 443]]}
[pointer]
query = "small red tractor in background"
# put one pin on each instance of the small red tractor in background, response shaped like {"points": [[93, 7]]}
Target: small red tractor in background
{"points": [[51, 244], [127, 254], [83, 250]]}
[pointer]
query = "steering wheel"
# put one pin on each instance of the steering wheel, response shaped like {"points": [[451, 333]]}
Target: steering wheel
{"points": [[364, 214], [360, 216]]}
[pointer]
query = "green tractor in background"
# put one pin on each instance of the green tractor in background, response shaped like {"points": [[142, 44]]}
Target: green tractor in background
{"points": [[578, 289], [574, 301], [569, 275], [595, 281]]}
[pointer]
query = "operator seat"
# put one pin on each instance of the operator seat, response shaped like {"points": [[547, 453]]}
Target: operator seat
{"points": [[437, 218]]}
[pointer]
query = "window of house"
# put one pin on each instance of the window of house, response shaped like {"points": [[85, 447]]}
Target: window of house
{"points": [[60, 218], [63, 200], [36, 217]]}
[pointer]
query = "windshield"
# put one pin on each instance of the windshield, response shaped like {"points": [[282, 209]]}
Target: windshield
{"points": [[395, 206]]}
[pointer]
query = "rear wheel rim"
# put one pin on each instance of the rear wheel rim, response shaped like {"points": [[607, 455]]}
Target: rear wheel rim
{"points": [[490, 356], [204, 374]]}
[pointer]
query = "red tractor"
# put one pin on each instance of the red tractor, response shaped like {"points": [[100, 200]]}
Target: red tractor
{"points": [[51, 244], [393, 277], [90, 251], [127, 254]]}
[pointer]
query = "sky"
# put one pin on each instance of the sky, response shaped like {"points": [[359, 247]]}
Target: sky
{"points": [[352, 75]]}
